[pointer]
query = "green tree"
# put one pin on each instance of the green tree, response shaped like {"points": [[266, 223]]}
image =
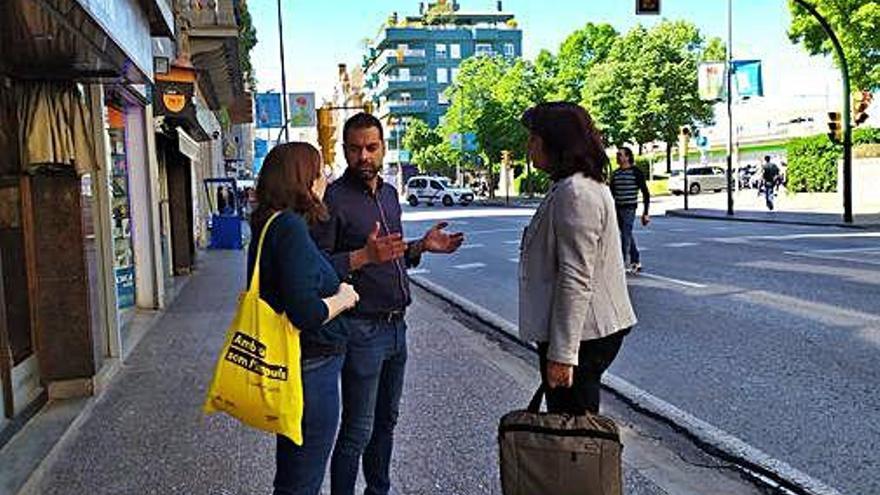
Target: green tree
{"points": [[247, 40], [580, 51], [857, 25], [439, 158], [420, 136]]}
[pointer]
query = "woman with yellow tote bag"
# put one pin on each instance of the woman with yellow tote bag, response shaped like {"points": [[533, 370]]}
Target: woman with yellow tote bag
{"points": [[279, 370]]}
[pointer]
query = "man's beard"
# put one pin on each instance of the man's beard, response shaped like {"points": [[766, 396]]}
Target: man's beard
{"points": [[367, 171]]}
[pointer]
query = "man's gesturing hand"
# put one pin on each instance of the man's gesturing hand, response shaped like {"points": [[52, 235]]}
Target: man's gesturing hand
{"points": [[382, 249], [437, 241]]}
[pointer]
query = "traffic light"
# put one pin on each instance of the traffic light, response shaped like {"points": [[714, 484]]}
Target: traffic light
{"points": [[327, 135], [860, 105], [835, 128], [505, 156], [647, 7], [368, 107]]}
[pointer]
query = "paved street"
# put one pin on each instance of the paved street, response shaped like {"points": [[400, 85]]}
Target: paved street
{"points": [[146, 435], [769, 332]]}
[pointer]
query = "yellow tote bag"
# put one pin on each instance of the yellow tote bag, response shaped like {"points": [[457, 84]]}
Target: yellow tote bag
{"points": [[257, 379]]}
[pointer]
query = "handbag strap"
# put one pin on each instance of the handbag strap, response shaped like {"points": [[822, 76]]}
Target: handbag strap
{"points": [[535, 403], [255, 276]]}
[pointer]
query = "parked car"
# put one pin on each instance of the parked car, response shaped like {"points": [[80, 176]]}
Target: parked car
{"points": [[699, 179], [432, 190]]}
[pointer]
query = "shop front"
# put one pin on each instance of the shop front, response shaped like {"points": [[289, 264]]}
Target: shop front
{"points": [[68, 238]]}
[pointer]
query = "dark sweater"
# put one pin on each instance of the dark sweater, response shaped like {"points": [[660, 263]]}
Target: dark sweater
{"points": [[294, 277]]}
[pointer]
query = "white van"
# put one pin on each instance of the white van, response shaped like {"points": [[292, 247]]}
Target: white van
{"points": [[436, 190]]}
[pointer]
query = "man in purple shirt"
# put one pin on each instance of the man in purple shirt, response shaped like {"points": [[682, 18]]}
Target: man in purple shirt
{"points": [[364, 238]]}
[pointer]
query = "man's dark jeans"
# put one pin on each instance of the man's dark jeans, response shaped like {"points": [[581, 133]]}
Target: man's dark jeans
{"points": [[372, 382], [626, 218], [300, 469]]}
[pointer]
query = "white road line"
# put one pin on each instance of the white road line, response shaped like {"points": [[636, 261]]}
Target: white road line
{"points": [[706, 432], [472, 246], [512, 242], [850, 250], [418, 271], [685, 283], [821, 256], [680, 244], [681, 230], [513, 260], [491, 231], [794, 237], [469, 266]]}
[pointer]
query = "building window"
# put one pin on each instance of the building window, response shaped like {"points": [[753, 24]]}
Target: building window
{"points": [[440, 50], [442, 75], [454, 74], [455, 51], [483, 49], [442, 99], [509, 50]]}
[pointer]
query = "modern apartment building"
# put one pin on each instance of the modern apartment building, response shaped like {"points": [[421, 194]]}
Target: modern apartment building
{"points": [[415, 59]]}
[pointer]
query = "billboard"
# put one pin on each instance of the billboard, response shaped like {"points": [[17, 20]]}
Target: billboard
{"points": [[748, 78], [711, 81], [268, 111], [302, 109]]}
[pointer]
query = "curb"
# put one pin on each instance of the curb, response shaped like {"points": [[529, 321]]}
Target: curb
{"points": [[756, 464], [702, 216]]}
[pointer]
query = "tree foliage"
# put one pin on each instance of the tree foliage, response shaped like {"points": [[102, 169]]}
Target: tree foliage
{"points": [[247, 40], [580, 51], [856, 23]]}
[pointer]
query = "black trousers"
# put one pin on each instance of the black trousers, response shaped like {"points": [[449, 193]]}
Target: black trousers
{"points": [[594, 357]]}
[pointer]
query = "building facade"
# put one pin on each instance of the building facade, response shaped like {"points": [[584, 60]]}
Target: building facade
{"points": [[107, 127], [409, 67]]}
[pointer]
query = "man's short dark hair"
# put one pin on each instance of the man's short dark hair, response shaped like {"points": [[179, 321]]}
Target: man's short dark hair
{"points": [[362, 120], [629, 154], [767, 158]]}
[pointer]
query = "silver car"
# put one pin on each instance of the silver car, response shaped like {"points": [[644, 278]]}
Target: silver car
{"points": [[699, 179]]}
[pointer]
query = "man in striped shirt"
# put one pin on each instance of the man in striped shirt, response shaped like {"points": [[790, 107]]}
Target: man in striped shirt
{"points": [[626, 182]]}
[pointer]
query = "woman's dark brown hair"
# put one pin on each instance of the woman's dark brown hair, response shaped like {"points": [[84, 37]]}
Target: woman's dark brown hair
{"points": [[285, 182], [570, 138]]}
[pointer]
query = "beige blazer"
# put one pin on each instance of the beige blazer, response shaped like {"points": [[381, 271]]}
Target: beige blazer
{"points": [[572, 285]]}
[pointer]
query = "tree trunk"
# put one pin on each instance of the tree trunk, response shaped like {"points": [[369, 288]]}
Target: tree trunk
{"points": [[641, 149], [668, 157]]}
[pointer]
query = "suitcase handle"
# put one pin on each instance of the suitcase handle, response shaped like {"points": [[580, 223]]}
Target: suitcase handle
{"points": [[535, 403]]}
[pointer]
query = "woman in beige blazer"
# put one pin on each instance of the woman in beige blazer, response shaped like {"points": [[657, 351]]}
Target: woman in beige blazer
{"points": [[572, 286]]}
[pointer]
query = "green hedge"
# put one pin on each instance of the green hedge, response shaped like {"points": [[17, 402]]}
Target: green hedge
{"points": [[535, 182], [812, 161]]}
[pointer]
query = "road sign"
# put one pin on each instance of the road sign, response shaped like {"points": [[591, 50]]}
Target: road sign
{"points": [[469, 142], [261, 148], [302, 109], [268, 110], [702, 142], [404, 156], [710, 78]]}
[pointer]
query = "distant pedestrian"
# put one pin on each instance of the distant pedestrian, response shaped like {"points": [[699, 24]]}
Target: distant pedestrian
{"points": [[572, 296], [770, 176], [296, 278], [364, 236], [626, 183]]}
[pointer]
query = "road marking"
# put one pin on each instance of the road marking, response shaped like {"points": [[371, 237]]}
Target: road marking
{"points": [[513, 260], [418, 271], [830, 256], [491, 231], [706, 432], [681, 244], [794, 237], [685, 283], [849, 250], [681, 230], [469, 266], [512, 242], [471, 246]]}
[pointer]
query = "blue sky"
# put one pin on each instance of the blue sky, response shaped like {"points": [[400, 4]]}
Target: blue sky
{"points": [[319, 35]]}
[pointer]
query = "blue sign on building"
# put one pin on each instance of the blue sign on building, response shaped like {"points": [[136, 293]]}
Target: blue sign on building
{"points": [[268, 110]]}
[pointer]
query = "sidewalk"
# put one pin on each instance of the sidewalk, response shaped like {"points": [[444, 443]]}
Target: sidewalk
{"points": [[146, 434], [781, 217]]}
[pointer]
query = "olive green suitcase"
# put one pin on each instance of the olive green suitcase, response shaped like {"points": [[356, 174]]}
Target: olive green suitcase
{"points": [[558, 454]]}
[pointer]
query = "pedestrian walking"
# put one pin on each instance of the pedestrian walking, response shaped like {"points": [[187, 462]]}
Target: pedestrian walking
{"points": [[295, 277], [363, 236], [770, 176], [626, 183], [573, 297]]}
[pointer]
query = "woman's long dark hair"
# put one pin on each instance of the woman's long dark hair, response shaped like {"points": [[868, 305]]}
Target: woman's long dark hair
{"points": [[570, 138], [285, 182]]}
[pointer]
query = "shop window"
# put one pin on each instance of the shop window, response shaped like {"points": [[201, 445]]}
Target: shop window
{"points": [[123, 248]]}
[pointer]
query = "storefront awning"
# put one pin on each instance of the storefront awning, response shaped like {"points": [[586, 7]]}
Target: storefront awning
{"points": [[70, 40], [174, 99]]}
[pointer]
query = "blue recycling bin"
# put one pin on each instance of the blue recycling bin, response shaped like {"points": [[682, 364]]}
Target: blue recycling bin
{"points": [[225, 232]]}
